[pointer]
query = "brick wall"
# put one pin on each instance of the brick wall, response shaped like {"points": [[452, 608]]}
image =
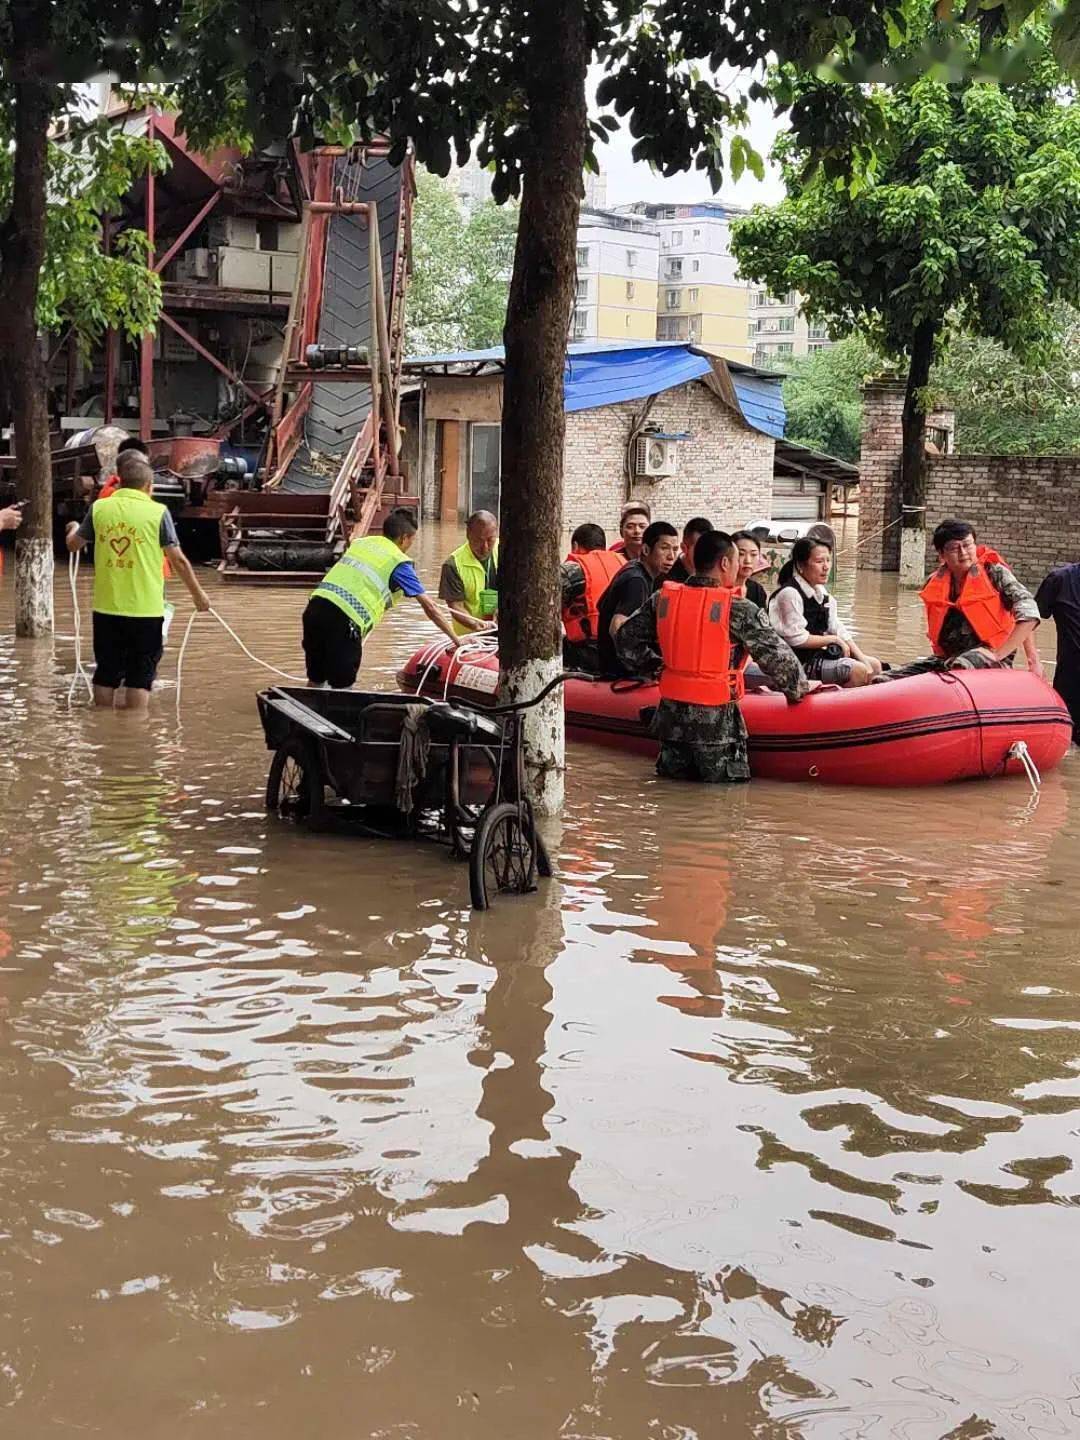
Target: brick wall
{"points": [[725, 468], [1026, 506], [879, 474]]}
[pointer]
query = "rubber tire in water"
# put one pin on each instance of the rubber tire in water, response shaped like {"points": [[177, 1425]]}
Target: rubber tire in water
{"points": [[294, 787], [503, 859]]}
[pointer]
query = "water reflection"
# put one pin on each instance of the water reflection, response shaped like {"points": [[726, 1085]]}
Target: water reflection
{"points": [[760, 1121]]}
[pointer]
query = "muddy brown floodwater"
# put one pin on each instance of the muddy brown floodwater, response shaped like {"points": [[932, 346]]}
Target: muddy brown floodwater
{"points": [[761, 1120]]}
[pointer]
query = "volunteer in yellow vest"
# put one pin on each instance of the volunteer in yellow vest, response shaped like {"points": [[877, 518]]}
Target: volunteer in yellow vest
{"points": [[132, 535], [354, 595], [978, 615], [469, 582], [698, 636]]}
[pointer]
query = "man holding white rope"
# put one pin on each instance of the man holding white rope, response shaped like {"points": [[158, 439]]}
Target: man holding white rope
{"points": [[354, 595], [132, 535]]}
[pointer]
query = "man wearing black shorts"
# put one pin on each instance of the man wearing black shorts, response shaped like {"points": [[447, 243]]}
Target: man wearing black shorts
{"points": [[132, 535], [352, 597]]}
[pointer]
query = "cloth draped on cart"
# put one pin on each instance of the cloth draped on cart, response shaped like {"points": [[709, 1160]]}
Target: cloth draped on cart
{"points": [[413, 750]]}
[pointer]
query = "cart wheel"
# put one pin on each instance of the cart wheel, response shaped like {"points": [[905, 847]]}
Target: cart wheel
{"points": [[294, 787], [503, 859]]}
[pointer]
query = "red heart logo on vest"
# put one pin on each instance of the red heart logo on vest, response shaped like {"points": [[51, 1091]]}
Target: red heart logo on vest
{"points": [[120, 543]]}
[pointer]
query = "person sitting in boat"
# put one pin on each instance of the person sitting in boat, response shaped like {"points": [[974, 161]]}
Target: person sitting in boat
{"points": [[630, 589], [699, 636], [633, 522], [805, 614], [750, 564], [684, 565], [469, 582], [586, 573], [978, 615], [354, 595]]}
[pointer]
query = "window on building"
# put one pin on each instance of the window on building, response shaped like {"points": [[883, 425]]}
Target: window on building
{"points": [[785, 349], [695, 327], [626, 321], [786, 322], [631, 259], [670, 327], [674, 300], [630, 289], [676, 237], [695, 266], [697, 234], [581, 324], [814, 347], [693, 295], [674, 269], [582, 289], [752, 328], [790, 298], [761, 355], [761, 298], [819, 331], [583, 257]]}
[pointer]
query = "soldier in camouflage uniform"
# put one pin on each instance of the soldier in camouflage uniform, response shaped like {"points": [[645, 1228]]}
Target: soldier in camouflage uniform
{"points": [[708, 742], [958, 644]]}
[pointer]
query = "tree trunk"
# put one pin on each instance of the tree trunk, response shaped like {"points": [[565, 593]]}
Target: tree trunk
{"points": [[913, 460], [22, 250], [534, 425]]}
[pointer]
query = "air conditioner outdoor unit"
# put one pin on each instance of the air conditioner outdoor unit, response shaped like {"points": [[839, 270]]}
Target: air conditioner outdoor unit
{"points": [[656, 457]]}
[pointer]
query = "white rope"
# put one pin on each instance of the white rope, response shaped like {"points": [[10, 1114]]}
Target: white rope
{"points": [[1019, 751], [80, 669], [296, 679]]}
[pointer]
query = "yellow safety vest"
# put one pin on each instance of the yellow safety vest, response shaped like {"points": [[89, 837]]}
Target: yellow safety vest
{"points": [[474, 578], [359, 584], [128, 577]]}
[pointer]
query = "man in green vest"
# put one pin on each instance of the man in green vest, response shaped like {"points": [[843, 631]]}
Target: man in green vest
{"points": [[354, 595], [469, 582], [131, 535]]}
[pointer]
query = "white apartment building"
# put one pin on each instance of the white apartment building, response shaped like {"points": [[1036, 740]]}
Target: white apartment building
{"points": [[471, 184], [701, 297], [778, 330], [617, 265]]}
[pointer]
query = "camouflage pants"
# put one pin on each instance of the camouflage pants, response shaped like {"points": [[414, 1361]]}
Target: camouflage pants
{"points": [[969, 660], [712, 764]]}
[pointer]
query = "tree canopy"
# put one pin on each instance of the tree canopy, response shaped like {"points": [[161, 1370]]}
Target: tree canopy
{"points": [[461, 270]]}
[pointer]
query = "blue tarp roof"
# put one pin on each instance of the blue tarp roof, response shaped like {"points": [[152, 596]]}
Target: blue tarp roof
{"points": [[608, 372]]}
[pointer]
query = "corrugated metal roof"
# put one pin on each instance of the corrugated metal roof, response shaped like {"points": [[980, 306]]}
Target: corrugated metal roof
{"points": [[609, 372]]}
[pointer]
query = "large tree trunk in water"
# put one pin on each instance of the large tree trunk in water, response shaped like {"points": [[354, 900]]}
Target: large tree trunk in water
{"points": [[913, 460], [22, 250], [534, 425]]}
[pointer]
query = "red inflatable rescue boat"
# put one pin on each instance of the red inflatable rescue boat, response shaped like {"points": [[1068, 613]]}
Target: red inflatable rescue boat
{"points": [[922, 731]]}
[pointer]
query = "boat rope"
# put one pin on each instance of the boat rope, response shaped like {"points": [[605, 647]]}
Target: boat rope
{"points": [[1019, 751], [864, 539], [296, 679]]}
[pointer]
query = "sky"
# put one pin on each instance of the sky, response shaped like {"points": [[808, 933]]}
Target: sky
{"points": [[628, 181]]}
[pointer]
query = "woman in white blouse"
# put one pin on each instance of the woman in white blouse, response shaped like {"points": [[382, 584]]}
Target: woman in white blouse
{"points": [[805, 614]]}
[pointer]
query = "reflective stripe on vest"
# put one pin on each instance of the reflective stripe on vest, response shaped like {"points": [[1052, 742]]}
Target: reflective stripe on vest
{"points": [[580, 618], [473, 574], [359, 584], [979, 603], [128, 555], [692, 626]]}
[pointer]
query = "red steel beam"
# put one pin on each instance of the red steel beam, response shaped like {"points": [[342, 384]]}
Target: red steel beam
{"points": [[146, 351], [186, 233], [209, 356]]}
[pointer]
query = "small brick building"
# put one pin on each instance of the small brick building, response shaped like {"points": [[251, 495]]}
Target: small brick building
{"points": [[1026, 506], [712, 426]]}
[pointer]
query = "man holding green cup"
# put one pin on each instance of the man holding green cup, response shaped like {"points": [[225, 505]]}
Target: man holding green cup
{"points": [[469, 582]]}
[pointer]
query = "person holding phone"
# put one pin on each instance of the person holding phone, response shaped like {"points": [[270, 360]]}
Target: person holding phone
{"points": [[12, 517]]}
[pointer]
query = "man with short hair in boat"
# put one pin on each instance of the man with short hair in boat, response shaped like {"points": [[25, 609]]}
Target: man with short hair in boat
{"points": [[469, 582], [133, 536], [630, 589], [684, 565], [354, 595], [585, 574], [700, 636], [978, 615], [634, 519]]}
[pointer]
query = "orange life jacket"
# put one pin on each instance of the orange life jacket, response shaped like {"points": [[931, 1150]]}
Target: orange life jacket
{"points": [[599, 568], [979, 603], [112, 484], [692, 626]]}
